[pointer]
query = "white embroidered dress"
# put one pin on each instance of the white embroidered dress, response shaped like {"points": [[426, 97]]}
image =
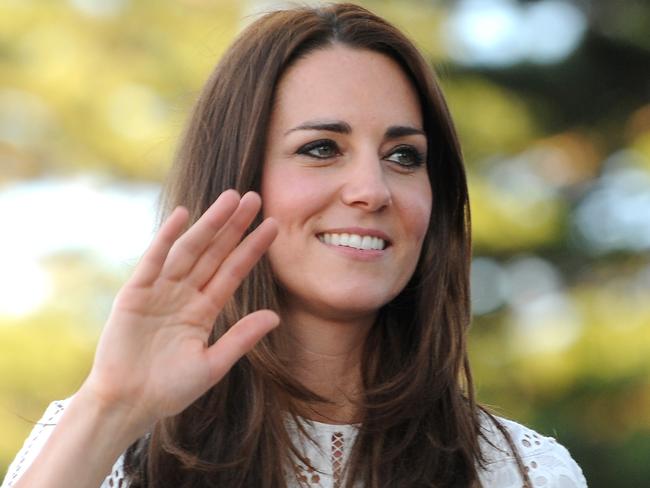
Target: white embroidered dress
{"points": [[549, 464]]}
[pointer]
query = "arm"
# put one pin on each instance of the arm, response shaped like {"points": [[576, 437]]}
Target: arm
{"points": [[152, 360], [92, 438]]}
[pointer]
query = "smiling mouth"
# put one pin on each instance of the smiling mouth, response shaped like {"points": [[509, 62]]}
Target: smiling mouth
{"points": [[355, 241]]}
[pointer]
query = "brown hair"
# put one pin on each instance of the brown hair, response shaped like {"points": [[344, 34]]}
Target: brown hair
{"points": [[420, 423]]}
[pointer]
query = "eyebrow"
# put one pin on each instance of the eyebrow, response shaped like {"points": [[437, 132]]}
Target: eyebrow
{"points": [[393, 132], [396, 131], [329, 126]]}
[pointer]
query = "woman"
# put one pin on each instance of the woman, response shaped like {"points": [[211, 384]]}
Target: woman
{"points": [[333, 117]]}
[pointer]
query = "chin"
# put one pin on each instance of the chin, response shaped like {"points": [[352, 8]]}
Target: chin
{"points": [[349, 306]]}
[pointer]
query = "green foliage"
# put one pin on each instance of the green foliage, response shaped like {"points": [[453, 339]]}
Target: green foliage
{"points": [[105, 93]]}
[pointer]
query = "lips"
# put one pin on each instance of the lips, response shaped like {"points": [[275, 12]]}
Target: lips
{"points": [[364, 242], [355, 241]]}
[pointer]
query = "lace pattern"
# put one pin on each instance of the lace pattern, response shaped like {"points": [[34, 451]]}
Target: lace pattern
{"points": [[548, 464], [117, 478], [327, 455]]}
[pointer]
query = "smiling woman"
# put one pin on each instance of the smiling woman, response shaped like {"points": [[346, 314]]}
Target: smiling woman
{"points": [[345, 158], [349, 227]]}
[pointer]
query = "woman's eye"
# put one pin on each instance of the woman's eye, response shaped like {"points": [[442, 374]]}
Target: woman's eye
{"points": [[322, 149], [406, 156]]}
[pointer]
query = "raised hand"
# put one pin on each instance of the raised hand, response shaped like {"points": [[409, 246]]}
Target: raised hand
{"points": [[153, 360]]}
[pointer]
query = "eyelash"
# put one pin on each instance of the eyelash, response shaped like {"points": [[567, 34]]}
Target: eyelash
{"points": [[417, 157], [307, 149]]}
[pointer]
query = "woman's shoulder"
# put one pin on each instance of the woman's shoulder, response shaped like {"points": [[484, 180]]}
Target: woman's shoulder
{"points": [[36, 440], [547, 462]]}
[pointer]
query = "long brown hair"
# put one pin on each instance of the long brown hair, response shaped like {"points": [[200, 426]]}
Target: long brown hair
{"points": [[421, 425]]}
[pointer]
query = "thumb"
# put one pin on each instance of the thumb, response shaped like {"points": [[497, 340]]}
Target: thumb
{"points": [[239, 339]]}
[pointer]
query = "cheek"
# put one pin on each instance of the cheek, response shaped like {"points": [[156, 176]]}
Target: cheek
{"points": [[416, 212], [291, 196]]}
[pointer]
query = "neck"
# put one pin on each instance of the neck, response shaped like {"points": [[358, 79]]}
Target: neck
{"points": [[326, 358]]}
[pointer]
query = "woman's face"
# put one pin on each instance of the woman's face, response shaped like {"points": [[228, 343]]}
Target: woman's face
{"points": [[345, 177]]}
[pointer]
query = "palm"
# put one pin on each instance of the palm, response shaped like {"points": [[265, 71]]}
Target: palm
{"points": [[153, 354]]}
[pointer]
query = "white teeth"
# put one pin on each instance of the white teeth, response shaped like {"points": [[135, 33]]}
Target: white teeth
{"points": [[356, 241], [366, 242]]}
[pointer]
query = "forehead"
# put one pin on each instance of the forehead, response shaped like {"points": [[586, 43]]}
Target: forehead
{"points": [[340, 82]]}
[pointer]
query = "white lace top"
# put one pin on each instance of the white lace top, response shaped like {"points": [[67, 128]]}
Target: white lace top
{"points": [[549, 464]]}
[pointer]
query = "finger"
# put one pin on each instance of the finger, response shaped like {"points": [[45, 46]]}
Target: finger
{"points": [[239, 263], [152, 261], [225, 241], [239, 339], [194, 241]]}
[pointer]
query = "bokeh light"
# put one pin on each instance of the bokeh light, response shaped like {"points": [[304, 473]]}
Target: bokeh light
{"points": [[504, 32]]}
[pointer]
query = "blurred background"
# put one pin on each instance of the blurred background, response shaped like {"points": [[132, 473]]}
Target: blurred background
{"points": [[552, 101]]}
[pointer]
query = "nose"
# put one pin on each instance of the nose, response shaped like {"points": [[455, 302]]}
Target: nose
{"points": [[365, 185]]}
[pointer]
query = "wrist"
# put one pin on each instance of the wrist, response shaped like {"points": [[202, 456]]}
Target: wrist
{"points": [[108, 413]]}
